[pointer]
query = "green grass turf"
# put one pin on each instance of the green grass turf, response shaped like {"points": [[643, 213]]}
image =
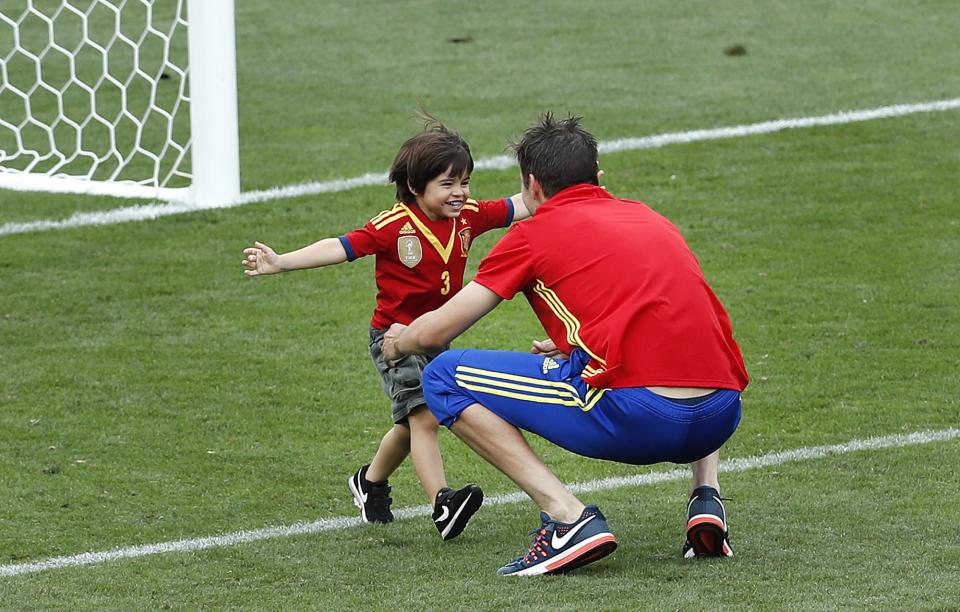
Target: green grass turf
{"points": [[803, 545], [151, 392]]}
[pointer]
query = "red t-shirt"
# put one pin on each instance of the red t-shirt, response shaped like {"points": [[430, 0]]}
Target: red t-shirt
{"points": [[420, 262], [617, 280]]}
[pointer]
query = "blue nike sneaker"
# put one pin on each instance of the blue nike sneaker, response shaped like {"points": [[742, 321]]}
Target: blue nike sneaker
{"points": [[558, 548], [707, 531]]}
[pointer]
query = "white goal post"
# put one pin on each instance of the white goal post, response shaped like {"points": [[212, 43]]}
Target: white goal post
{"points": [[124, 98]]}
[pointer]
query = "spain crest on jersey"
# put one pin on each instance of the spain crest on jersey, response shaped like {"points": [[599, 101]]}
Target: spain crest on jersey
{"points": [[464, 241], [409, 250]]}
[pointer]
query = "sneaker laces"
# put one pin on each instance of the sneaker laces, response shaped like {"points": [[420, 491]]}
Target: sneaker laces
{"points": [[720, 497], [536, 547]]}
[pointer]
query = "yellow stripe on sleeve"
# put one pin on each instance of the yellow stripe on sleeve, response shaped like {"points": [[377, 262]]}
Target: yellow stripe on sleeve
{"points": [[570, 322]]}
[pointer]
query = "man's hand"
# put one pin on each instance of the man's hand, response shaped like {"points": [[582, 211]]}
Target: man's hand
{"points": [[389, 349], [261, 260], [547, 348]]}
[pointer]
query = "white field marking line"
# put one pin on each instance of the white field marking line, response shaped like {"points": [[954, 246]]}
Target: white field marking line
{"points": [[340, 523], [501, 162]]}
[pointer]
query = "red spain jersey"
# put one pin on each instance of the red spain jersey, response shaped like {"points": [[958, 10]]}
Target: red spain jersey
{"points": [[420, 262], [617, 280]]}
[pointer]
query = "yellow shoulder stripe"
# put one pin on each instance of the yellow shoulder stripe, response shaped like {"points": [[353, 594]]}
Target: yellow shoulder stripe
{"points": [[385, 213], [388, 220]]}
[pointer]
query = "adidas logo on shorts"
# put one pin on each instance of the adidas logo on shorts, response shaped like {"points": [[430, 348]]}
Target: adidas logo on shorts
{"points": [[549, 364]]}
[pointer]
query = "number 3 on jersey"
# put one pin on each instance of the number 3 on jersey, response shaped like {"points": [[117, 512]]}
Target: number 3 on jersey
{"points": [[445, 279]]}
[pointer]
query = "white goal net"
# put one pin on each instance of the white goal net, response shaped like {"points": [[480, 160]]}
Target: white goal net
{"points": [[96, 96]]}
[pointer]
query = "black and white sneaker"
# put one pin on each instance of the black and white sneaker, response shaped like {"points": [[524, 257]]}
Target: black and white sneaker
{"points": [[452, 509], [707, 533], [373, 498]]}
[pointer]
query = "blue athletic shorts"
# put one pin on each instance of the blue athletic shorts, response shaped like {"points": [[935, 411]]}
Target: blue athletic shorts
{"points": [[547, 397]]}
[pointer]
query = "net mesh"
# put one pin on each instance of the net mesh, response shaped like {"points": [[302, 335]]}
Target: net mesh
{"points": [[95, 90]]}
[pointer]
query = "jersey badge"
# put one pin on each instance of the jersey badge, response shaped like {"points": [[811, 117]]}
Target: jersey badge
{"points": [[464, 241], [549, 364], [407, 229], [409, 250]]}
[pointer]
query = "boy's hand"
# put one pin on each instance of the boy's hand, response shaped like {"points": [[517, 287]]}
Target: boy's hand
{"points": [[261, 259], [547, 348]]}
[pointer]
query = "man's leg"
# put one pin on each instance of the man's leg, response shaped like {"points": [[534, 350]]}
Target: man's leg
{"points": [[571, 535], [705, 472], [707, 532], [502, 445], [478, 394]]}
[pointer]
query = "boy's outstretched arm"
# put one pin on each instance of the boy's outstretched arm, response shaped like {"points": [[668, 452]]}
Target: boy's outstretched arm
{"points": [[520, 211], [262, 260]]}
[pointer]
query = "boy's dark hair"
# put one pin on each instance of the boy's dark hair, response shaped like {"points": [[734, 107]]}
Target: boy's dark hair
{"points": [[427, 155], [559, 152]]}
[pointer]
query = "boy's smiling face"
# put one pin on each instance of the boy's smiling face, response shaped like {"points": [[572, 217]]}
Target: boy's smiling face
{"points": [[444, 196]]}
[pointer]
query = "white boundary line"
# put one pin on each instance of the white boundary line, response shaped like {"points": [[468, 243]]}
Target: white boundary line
{"points": [[153, 211], [340, 523]]}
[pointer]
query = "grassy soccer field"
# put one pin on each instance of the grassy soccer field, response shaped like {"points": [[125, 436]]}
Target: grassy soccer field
{"points": [[150, 393]]}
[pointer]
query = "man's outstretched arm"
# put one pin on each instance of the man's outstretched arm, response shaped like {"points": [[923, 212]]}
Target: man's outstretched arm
{"points": [[434, 330]]}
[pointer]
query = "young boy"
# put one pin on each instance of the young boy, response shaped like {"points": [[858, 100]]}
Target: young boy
{"points": [[421, 246]]}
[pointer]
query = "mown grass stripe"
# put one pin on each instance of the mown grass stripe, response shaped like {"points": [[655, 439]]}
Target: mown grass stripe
{"points": [[145, 212], [339, 523]]}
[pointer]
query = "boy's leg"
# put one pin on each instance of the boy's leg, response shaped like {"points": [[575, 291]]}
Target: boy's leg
{"points": [[369, 486], [425, 451], [451, 509], [401, 382], [393, 449]]}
